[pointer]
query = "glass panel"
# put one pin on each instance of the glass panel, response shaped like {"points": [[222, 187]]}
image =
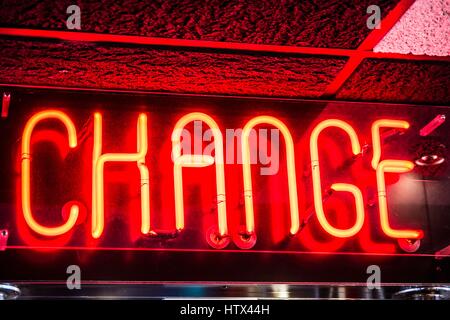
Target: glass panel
{"points": [[215, 229]]}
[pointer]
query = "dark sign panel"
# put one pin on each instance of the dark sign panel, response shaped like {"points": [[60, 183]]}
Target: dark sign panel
{"points": [[187, 188]]}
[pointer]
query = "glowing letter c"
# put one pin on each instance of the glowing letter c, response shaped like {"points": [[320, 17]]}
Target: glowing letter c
{"points": [[26, 193]]}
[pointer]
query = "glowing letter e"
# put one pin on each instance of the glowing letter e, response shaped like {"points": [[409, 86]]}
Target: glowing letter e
{"points": [[98, 162], [317, 186], [389, 166], [26, 159]]}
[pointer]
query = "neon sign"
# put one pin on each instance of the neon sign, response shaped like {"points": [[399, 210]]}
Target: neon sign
{"points": [[221, 237]]}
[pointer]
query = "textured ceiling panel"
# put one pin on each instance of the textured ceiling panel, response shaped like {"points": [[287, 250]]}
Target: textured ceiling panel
{"points": [[75, 64], [314, 23], [424, 29], [318, 23], [396, 81]]}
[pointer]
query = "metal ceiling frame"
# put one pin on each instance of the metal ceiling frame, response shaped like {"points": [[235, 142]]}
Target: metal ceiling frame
{"points": [[355, 56], [367, 45]]}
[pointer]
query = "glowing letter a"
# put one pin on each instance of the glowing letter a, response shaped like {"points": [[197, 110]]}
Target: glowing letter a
{"points": [[197, 161]]}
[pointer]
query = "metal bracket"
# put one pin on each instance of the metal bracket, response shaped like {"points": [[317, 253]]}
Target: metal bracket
{"points": [[409, 245], [423, 293], [5, 104], [444, 252], [4, 234], [9, 291]]}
